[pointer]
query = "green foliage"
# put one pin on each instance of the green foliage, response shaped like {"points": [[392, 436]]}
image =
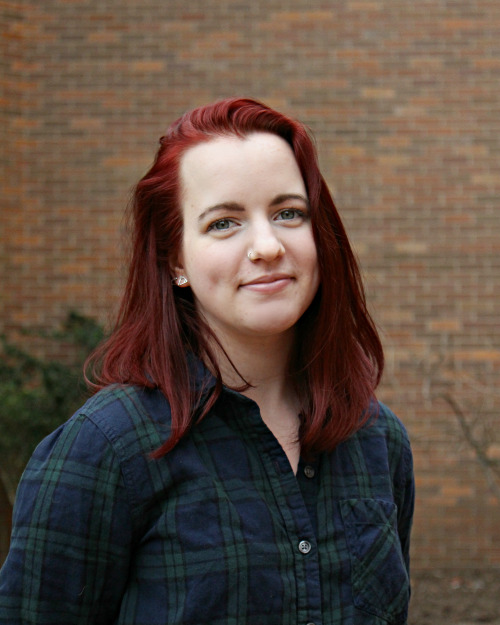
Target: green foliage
{"points": [[37, 395]]}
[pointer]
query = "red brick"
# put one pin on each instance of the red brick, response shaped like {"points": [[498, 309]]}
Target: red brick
{"points": [[403, 99]]}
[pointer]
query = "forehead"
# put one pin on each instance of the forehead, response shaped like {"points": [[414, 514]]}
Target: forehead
{"points": [[228, 158]]}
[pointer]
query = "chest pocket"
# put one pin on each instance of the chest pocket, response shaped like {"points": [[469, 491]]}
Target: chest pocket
{"points": [[379, 578]]}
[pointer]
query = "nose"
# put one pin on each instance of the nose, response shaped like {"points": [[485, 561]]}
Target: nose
{"points": [[265, 245]]}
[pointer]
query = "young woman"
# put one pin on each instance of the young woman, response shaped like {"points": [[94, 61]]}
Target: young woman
{"points": [[234, 467]]}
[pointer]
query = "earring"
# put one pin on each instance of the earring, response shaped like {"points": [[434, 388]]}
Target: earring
{"points": [[251, 255], [180, 281]]}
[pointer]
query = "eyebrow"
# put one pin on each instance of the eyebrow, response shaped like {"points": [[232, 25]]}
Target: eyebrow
{"points": [[279, 199], [234, 206]]}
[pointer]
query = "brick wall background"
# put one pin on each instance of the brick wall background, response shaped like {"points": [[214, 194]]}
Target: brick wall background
{"points": [[404, 101]]}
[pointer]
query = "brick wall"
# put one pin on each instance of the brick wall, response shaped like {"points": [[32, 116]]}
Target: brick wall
{"points": [[404, 100]]}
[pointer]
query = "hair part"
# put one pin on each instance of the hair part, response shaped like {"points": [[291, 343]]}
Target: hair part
{"points": [[338, 359]]}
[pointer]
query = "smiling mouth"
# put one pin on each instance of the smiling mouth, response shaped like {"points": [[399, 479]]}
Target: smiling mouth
{"points": [[270, 283]]}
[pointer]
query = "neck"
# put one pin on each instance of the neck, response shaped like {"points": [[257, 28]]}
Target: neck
{"points": [[262, 362], [264, 365]]}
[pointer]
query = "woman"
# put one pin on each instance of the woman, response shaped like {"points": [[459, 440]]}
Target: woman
{"points": [[234, 467]]}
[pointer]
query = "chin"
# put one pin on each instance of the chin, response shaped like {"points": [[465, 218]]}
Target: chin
{"points": [[272, 329]]}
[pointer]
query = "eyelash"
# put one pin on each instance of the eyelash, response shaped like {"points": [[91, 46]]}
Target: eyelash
{"points": [[213, 225], [297, 213]]}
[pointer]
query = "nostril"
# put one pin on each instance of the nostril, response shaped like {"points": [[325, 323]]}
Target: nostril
{"points": [[266, 250]]}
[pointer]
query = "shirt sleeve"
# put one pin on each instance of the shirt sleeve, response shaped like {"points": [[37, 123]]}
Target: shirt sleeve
{"points": [[405, 496], [72, 533], [405, 517]]}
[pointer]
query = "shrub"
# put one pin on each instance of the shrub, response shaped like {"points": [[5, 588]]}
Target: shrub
{"points": [[38, 394]]}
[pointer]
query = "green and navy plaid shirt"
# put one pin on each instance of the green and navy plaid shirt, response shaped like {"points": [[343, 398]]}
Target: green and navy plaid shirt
{"points": [[218, 532]]}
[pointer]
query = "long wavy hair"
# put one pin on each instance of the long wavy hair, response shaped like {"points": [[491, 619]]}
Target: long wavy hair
{"points": [[338, 358]]}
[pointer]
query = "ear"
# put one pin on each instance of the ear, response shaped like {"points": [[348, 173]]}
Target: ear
{"points": [[176, 264], [178, 272]]}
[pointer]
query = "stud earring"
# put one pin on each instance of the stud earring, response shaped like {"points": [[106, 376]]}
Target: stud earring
{"points": [[251, 255], [180, 281]]}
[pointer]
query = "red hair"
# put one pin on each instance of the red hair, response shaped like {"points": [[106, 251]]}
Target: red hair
{"points": [[338, 358]]}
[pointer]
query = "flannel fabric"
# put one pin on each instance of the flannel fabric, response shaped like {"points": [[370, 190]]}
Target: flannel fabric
{"points": [[218, 532]]}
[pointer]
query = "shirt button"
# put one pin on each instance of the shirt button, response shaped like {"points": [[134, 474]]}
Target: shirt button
{"points": [[310, 623], [304, 546], [309, 472]]}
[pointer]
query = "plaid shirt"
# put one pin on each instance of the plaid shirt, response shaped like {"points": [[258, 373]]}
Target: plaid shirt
{"points": [[218, 532]]}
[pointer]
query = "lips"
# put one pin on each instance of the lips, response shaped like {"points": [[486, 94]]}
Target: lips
{"points": [[268, 282], [267, 278]]}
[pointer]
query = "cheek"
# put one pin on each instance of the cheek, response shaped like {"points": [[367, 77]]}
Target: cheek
{"points": [[309, 253], [213, 262], [207, 271], [310, 260]]}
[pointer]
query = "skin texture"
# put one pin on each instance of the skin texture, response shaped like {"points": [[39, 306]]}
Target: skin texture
{"points": [[241, 196]]}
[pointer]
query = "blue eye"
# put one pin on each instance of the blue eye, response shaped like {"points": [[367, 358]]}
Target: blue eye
{"points": [[288, 214], [220, 224]]}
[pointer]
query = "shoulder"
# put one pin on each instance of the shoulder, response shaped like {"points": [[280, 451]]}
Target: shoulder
{"points": [[106, 444], [127, 413], [383, 441], [382, 422], [396, 443], [123, 422]]}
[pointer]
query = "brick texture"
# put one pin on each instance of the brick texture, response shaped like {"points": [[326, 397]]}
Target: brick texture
{"points": [[404, 101]]}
